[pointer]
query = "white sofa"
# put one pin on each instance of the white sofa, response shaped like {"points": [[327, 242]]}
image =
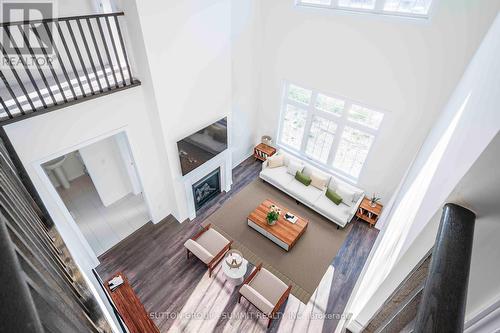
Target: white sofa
{"points": [[311, 196]]}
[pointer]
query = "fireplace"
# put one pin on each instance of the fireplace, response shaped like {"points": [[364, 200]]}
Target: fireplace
{"points": [[206, 189]]}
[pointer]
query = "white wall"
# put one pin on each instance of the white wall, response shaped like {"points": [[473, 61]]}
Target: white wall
{"points": [[106, 167], [72, 168], [474, 106], [423, 243], [246, 47], [59, 132], [75, 7], [478, 190], [188, 51], [128, 162], [404, 67], [134, 110], [56, 132]]}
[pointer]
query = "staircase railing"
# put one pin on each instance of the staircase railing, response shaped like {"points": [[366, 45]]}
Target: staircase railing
{"points": [[51, 62], [432, 297], [442, 308]]}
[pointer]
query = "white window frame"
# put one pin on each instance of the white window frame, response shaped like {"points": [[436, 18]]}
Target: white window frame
{"points": [[341, 121], [378, 9]]}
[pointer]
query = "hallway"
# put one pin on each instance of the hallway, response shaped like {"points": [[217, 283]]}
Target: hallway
{"points": [[103, 227]]}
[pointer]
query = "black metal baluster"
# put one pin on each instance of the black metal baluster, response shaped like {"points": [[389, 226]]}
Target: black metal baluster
{"points": [[18, 79], [40, 71], [9, 89], [89, 54], [6, 109], [114, 49], [72, 63], [98, 53], [124, 51], [54, 74], [80, 57], [66, 76], [46, 79], [105, 43], [25, 65]]}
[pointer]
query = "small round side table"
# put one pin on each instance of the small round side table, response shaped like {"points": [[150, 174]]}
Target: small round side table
{"points": [[235, 274]]}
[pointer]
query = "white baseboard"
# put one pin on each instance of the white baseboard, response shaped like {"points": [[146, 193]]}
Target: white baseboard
{"points": [[486, 321], [236, 163], [354, 326]]}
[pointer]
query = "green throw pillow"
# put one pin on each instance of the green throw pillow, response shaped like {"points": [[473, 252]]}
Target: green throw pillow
{"points": [[332, 195], [302, 178]]}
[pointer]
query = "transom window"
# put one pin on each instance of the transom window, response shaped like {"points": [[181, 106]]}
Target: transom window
{"points": [[413, 8], [333, 132]]}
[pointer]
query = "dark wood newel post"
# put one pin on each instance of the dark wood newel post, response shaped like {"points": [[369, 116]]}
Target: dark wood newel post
{"points": [[442, 308]]}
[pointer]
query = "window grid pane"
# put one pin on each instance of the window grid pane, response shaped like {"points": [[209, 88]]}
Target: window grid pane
{"points": [[294, 123], [299, 94], [329, 104], [363, 4], [326, 127], [320, 138], [408, 6], [412, 8], [317, 2], [365, 116], [353, 150]]}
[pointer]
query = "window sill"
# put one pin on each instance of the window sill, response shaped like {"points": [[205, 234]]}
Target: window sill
{"points": [[370, 12]]}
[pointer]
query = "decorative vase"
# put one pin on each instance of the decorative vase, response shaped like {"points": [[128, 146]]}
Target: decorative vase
{"points": [[267, 140], [234, 259], [373, 204], [271, 222], [273, 215]]}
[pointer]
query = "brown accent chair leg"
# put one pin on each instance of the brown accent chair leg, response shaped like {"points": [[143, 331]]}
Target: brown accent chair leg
{"points": [[187, 254], [239, 299], [269, 322], [209, 271]]}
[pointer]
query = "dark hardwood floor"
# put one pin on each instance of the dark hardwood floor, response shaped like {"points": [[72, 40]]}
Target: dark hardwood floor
{"points": [[154, 260]]}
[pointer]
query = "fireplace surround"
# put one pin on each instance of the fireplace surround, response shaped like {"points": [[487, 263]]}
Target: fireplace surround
{"points": [[206, 189], [221, 162]]}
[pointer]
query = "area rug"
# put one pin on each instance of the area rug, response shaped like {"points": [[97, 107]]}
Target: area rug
{"points": [[306, 263]]}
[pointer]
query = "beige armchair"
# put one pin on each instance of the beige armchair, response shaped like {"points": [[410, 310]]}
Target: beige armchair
{"points": [[209, 246], [265, 291]]}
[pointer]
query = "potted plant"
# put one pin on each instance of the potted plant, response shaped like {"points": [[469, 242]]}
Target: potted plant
{"points": [[374, 200], [273, 215]]}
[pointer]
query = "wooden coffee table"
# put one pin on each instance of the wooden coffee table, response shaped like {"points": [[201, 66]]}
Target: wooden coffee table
{"points": [[283, 233]]}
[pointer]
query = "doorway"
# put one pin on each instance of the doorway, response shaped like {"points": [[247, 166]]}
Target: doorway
{"points": [[101, 190]]}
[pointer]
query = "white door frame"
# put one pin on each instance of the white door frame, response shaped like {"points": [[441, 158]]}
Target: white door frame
{"points": [[57, 199], [126, 155]]}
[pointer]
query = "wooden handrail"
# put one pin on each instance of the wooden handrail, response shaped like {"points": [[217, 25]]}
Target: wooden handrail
{"points": [[442, 308], [60, 19]]}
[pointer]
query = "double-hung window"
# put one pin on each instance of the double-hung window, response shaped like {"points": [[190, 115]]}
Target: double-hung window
{"points": [[413, 8], [333, 132]]}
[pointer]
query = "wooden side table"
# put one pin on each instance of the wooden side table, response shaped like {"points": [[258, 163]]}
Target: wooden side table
{"points": [[368, 213], [263, 151]]}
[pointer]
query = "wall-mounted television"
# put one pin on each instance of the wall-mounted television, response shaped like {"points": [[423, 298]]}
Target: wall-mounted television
{"points": [[203, 145]]}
